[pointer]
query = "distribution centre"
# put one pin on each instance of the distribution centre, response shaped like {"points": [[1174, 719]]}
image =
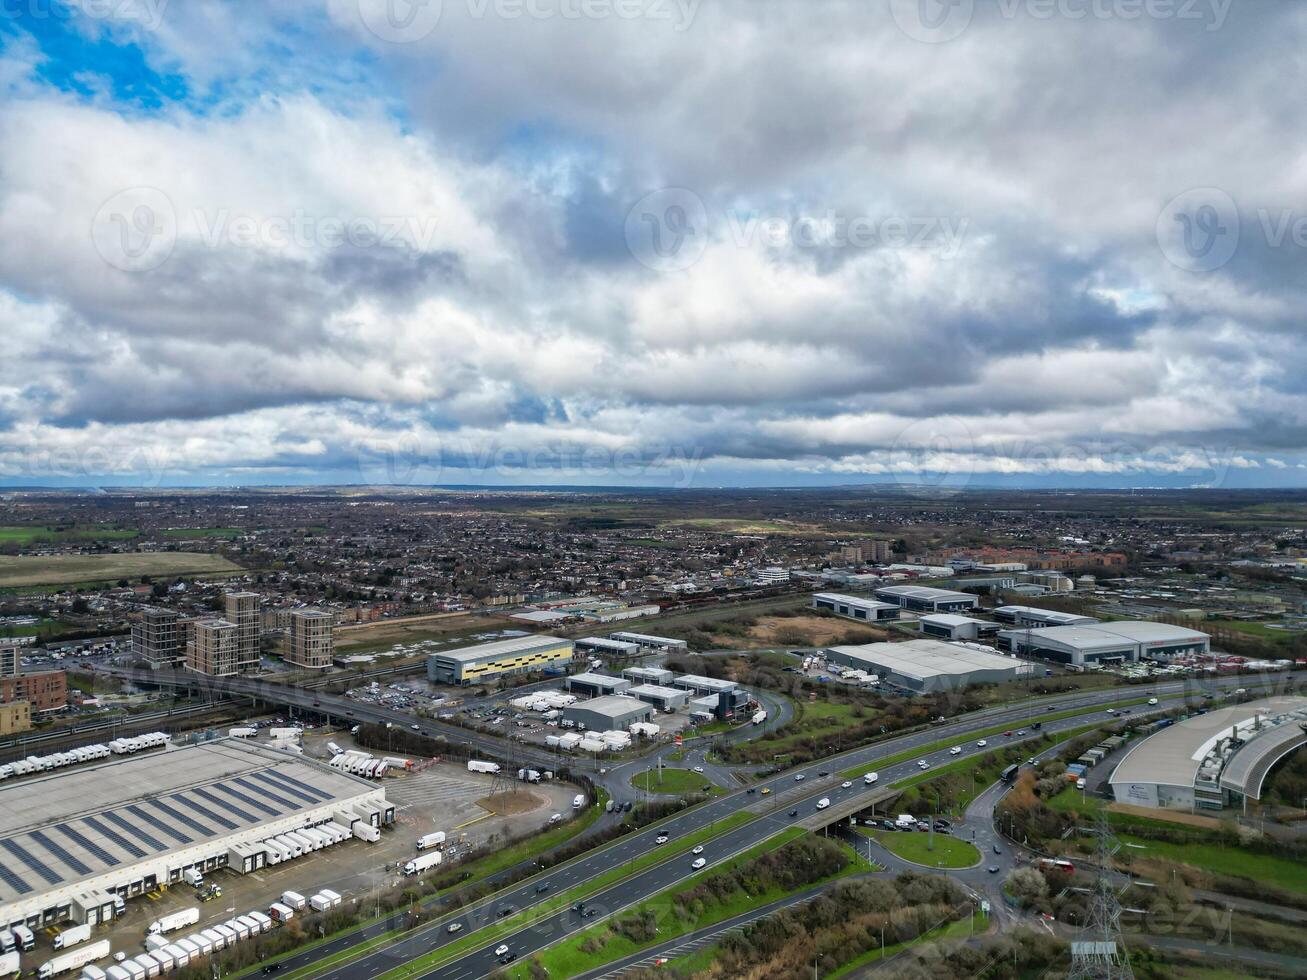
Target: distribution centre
{"points": [[501, 658], [929, 665]]}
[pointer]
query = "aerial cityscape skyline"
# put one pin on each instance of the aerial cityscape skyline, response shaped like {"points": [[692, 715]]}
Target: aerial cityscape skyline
{"points": [[349, 242]]}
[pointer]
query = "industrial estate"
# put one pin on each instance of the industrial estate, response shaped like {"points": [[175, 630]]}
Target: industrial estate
{"points": [[476, 761]]}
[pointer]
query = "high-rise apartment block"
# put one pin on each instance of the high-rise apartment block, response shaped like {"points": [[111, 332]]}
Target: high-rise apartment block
{"points": [[243, 611], [310, 643], [156, 639], [216, 648]]}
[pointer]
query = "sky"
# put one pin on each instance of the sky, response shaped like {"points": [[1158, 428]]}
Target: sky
{"points": [[673, 243]]}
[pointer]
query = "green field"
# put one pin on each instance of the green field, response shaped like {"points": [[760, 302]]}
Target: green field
{"points": [[1213, 855], [26, 535], [72, 569], [669, 781], [203, 532], [953, 930], [46, 627], [943, 852]]}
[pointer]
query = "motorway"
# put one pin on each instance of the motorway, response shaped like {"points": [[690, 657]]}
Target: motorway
{"points": [[792, 801]]}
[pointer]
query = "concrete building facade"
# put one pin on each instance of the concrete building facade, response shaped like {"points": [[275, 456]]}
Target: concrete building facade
{"points": [[157, 640], [311, 643], [855, 607], [243, 611], [214, 650]]}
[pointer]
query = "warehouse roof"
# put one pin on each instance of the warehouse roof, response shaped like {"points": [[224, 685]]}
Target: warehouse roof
{"points": [[866, 602], [612, 705], [1174, 755], [67, 826], [658, 691], [500, 648], [923, 592], [1048, 615], [924, 659], [1112, 636]]}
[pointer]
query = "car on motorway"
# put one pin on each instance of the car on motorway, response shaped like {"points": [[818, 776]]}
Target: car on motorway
{"points": [[823, 803], [542, 888], [923, 764], [270, 968], [507, 958], [956, 750], [626, 807], [591, 913], [1007, 734], [698, 768], [501, 950], [798, 777], [698, 849], [997, 849], [660, 839], [698, 863], [506, 911], [416, 728], [823, 774], [751, 790], [993, 869], [1021, 731], [1152, 700], [846, 785], [766, 791], [981, 744], [794, 813]]}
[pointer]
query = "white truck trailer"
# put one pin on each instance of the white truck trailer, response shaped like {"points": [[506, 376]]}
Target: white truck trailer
{"points": [[175, 920], [294, 899], [74, 959], [72, 936], [8, 964], [428, 841], [476, 765], [422, 862]]}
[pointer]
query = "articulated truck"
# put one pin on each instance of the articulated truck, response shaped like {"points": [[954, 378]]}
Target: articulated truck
{"points": [[74, 959], [175, 920], [422, 862], [428, 841], [476, 765]]}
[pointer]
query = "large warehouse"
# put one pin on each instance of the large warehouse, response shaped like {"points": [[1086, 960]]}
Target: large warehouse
{"points": [[502, 658], [662, 698], [592, 685], [651, 642], [1101, 643], [1212, 761], [855, 607], [71, 841], [615, 711], [1031, 617], [929, 665], [614, 648], [921, 598]]}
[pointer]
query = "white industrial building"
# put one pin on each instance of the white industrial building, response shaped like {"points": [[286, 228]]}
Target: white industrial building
{"points": [[1106, 643], [1212, 761], [593, 685], [704, 685], [1031, 617], [73, 841], [922, 598], [929, 665], [615, 711], [648, 675], [662, 698], [614, 648], [950, 626], [651, 642], [855, 607]]}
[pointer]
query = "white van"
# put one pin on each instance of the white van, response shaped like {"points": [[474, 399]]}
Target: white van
{"points": [[870, 778]]}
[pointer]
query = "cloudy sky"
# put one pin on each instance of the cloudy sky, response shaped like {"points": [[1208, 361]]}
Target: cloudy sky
{"points": [[653, 242]]}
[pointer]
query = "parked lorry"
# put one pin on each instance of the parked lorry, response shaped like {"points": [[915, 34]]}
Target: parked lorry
{"points": [[175, 920], [529, 775], [428, 841], [193, 876], [578, 801], [93, 972], [476, 765], [154, 940], [242, 732], [759, 717], [281, 913], [74, 959], [422, 862], [72, 936], [8, 964], [24, 937], [367, 832], [294, 899]]}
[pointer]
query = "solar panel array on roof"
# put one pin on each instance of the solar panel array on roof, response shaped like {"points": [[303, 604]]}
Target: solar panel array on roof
{"points": [[52, 832]]}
